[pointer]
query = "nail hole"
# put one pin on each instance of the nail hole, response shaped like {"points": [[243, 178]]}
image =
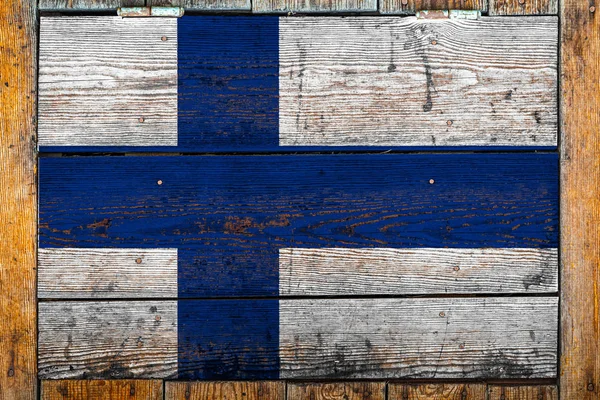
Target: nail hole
{"points": [[138, 260], [159, 182], [442, 314], [431, 181]]}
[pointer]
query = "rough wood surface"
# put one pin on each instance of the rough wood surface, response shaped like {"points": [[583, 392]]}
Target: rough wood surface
{"points": [[412, 6], [107, 273], [201, 5], [580, 200], [305, 6], [96, 5], [249, 390], [437, 391], [523, 7], [336, 391], [109, 340], [389, 81], [108, 81], [419, 338], [102, 390], [523, 392], [322, 272], [18, 198]]}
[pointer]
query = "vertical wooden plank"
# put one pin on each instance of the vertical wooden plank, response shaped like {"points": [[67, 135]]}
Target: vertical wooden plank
{"points": [[437, 391], [102, 390], [533, 392], [225, 390], [523, 7], [412, 6], [202, 5], [96, 5], [580, 200], [335, 391], [18, 199]]}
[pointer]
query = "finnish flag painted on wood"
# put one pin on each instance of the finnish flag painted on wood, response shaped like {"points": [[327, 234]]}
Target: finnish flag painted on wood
{"points": [[311, 265], [245, 84]]}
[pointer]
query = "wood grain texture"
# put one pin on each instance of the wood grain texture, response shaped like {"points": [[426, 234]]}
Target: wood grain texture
{"points": [[336, 391], [107, 273], [403, 82], [125, 389], [580, 200], [419, 338], [437, 391], [304, 6], [108, 340], [248, 390], [405, 7], [523, 392], [96, 5], [18, 199], [323, 272], [202, 5], [108, 81], [523, 7]]}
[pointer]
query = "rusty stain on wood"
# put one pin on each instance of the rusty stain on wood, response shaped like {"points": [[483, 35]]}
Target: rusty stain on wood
{"points": [[580, 201], [18, 199], [102, 390], [244, 390], [336, 391]]}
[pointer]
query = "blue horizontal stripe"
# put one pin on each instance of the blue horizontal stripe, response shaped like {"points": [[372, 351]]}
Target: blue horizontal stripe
{"points": [[229, 215]]}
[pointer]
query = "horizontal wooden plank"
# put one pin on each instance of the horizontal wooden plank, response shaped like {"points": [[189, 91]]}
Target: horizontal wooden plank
{"points": [[108, 81], [282, 6], [336, 391], [342, 271], [437, 391], [228, 216], [506, 337], [360, 83], [126, 389], [108, 340], [419, 338], [107, 273], [522, 392], [95, 5], [523, 7], [398, 81], [248, 390], [203, 5], [405, 7]]}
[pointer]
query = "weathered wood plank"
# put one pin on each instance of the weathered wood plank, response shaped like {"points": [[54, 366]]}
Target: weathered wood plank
{"points": [[419, 338], [228, 216], [342, 271], [249, 339], [405, 7], [109, 340], [580, 200], [107, 273], [398, 81], [284, 6], [225, 390], [102, 390], [336, 391], [437, 391], [522, 392], [523, 7], [202, 5], [108, 81], [95, 5], [18, 197]]}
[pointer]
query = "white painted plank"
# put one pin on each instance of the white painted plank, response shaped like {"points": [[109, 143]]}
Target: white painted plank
{"points": [[133, 339], [419, 338], [388, 81], [107, 273], [108, 81], [385, 271]]}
